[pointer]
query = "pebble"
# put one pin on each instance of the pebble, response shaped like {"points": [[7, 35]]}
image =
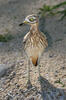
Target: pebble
{"points": [[3, 68]]}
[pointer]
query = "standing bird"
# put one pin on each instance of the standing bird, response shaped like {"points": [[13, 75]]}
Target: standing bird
{"points": [[35, 43]]}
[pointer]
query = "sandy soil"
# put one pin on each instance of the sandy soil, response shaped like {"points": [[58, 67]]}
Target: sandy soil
{"points": [[13, 64]]}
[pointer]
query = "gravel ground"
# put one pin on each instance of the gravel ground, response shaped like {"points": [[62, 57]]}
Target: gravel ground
{"points": [[13, 63]]}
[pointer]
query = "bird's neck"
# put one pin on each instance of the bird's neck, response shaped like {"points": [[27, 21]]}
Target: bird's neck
{"points": [[34, 28]]}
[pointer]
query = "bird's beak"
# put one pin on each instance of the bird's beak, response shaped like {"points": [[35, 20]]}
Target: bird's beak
{"points": [[24, 22]]}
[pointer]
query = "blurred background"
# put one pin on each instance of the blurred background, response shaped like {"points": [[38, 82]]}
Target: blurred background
{"points": [[13, 64]]}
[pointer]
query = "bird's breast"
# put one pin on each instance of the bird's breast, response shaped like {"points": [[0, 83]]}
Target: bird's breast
{"points": [[34, 53], [34, 46]]}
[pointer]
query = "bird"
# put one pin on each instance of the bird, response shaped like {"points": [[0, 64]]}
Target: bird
{"points": [[35, 42]]}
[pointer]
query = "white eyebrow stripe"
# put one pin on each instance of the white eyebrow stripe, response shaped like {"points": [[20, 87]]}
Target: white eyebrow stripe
{"points": [[26, 19], [34, 17]]}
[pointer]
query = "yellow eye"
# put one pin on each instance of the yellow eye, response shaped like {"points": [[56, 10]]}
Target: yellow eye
{"points": [[31, 19]]}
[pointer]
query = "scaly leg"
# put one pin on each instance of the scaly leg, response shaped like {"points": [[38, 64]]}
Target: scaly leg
{"points": [[39, 72], [29, 85], [39, 78]]}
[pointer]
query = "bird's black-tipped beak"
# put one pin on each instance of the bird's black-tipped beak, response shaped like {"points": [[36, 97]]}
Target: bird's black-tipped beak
{"points": [[25, 22], [21, 24]]}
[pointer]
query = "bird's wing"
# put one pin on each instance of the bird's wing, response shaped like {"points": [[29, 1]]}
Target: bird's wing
{"points": [[26, 37], [44, 35], [45, 39]]}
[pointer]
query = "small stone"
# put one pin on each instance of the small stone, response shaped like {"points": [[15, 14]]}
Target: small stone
{"points": [[14, 73], [30, 98], [17, 85], [51, 55], [21, 91], [3, 69], [56, 71], [9, 96], [55, 74], [63, 68]]}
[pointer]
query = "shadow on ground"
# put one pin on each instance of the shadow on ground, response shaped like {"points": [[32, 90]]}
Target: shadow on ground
{"points": [[49, 92]]}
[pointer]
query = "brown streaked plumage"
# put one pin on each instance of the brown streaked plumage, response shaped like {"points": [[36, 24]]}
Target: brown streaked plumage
{"points": [[34, 44], [34, 41]]}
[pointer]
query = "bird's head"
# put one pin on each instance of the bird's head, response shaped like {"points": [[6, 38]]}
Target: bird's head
{"points": [[30, 19]]}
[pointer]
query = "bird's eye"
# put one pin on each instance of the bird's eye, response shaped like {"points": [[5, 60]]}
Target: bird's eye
{"points": [[31, 19]]}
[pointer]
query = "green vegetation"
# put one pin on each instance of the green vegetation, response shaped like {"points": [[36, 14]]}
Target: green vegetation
{"points": [[47, 10], [6, 37], [59, 81], [57, 40], [15, 17]]}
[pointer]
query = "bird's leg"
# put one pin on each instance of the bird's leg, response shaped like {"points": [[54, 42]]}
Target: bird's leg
{"points": [[28, 69], [29, 85], [39, 78], [39, 72]]}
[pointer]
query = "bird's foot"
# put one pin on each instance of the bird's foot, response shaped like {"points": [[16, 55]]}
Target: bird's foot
{"points": [[29, 85]]}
